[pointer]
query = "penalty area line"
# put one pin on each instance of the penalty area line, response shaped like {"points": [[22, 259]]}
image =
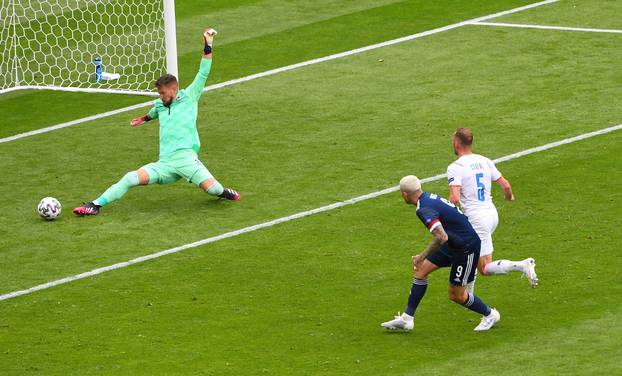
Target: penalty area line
{"points": [[283, 69], [547, 27], [292, 217]]}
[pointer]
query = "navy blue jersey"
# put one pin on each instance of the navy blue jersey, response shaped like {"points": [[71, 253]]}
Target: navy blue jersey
{"points": [[434, 210]]}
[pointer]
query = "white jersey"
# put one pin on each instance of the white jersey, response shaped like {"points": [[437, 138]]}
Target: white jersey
{"points": [[475, 174]]}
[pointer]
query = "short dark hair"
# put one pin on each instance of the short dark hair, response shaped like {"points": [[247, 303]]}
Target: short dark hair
{"points": [[166, 80], [464, 135]]}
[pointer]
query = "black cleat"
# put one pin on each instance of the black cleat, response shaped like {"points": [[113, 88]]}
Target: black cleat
{"points": [[230, 194], [88, 208]]}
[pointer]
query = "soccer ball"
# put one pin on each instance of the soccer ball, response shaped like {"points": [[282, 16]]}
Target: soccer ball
{"points": [[49, 208]]}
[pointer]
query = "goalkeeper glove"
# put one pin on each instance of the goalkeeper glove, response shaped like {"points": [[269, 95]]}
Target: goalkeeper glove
{"points": [[140, 120], [208, 37]]}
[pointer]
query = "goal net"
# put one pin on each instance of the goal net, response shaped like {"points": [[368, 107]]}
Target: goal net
{"points": [[120, 46]]}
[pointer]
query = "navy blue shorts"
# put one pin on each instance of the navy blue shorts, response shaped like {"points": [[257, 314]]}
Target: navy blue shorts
{"points": [[463, 264]]}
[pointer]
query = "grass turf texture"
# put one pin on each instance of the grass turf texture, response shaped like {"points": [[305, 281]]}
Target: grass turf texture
{"points": [[307, 297], [254, 38], [271, 300], [361, 124], [598, 14]]}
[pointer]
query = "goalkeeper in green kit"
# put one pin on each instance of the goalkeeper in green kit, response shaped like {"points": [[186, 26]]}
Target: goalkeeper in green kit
{"points": [[176, 111]]}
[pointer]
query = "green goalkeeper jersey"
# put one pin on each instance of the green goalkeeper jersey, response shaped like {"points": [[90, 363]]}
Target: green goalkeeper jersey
{"points": [[178, 122]]}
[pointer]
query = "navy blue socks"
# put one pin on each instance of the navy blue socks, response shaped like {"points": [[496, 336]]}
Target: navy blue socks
{"points": [[417, 291], [475, 304]]}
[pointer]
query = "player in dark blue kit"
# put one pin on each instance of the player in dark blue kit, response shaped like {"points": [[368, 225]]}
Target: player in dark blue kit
{"points": [[455, 244]]}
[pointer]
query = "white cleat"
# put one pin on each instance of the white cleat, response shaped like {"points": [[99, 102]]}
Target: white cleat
{"points": [[399, 323], [530, 271], [488, 321]]}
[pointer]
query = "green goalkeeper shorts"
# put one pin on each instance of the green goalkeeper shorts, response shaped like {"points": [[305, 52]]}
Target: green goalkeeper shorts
{"points": [[179, 164]]}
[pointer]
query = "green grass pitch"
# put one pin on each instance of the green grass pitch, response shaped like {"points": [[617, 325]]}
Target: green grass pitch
{"points": [[306, 297]]}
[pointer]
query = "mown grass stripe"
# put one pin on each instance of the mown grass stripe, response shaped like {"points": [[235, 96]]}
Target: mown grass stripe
{"points": [[277, 221], [280, 70]]}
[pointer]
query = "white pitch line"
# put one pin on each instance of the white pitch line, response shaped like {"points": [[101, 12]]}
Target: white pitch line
{"points": [[73, 122], [286, 219], [546, 27], [80, 90], [284, 69]]}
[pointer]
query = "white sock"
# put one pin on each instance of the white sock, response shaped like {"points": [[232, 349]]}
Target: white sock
{"points": [[504, 267], [470, 287], [407, 317]]}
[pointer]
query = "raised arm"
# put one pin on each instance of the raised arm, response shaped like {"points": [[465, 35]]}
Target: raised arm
{"points": [[196, 87], [506, 187]]}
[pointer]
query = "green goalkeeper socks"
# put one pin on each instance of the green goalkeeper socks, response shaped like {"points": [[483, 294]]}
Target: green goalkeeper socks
{"points": [[116, 191]]}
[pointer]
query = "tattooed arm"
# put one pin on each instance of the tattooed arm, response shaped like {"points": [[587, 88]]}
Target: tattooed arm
{"points": [[440, 238]]}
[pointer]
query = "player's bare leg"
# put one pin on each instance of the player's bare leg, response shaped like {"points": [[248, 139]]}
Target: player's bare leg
{"points": [[143, 176], [214, 188], [481, 264], [457, 294], [424, 269]]}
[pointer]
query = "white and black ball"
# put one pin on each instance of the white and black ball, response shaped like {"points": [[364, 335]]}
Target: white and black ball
{"points": [[49, 208]]}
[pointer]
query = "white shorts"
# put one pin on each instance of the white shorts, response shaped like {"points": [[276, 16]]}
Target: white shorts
{"points": [[484, 222]]}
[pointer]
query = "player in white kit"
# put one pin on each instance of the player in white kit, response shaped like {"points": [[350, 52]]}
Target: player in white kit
{"points": [[470, 181]]}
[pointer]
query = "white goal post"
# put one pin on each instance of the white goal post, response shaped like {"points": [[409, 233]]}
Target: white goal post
{"points": [[105, 46]]}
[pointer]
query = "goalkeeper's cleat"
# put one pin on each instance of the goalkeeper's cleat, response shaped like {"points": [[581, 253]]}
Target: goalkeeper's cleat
{"points": [[530, 271], [88, 208], [488, 321], [230, 194], [399, 323]]}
